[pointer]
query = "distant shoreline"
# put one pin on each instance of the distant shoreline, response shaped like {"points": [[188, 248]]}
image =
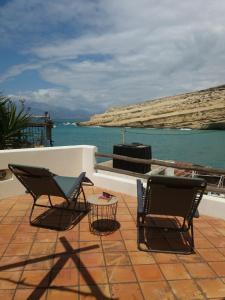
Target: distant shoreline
{"points": [[212, 126]]}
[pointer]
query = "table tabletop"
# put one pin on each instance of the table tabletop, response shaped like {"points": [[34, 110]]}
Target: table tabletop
{"points": [[94, 199]]}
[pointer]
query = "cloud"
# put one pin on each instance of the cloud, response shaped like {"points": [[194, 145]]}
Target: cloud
{"points": [[36, 21], [18, 69], [106, 53], [66, 99]]}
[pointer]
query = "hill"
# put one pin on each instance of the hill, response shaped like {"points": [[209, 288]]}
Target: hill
{"points": [[204, 109]]}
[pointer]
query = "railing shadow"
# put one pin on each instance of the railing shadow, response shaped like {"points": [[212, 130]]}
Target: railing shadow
{"points": [[41, 287]]}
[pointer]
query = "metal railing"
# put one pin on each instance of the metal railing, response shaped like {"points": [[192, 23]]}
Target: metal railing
{"points": [[196, 169]]}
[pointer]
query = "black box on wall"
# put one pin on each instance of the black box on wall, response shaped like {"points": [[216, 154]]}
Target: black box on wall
{"points": [[132, 150]]}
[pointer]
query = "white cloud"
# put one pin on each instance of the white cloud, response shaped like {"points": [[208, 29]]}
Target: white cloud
{"points": [[40, 95], [35, 20], [18, 69], [68, 99], [124, 51]]}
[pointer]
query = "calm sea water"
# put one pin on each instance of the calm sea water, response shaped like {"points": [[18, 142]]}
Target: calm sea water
{"points": [[196, 146]]}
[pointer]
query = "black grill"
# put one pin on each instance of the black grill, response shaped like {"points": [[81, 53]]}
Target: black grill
{"points": [[132, 150]]}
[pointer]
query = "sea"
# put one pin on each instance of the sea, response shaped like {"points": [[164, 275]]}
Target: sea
{"points": [[203, 147]]}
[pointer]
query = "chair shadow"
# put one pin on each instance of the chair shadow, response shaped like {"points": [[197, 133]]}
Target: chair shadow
{"points": [[59, 218], [161, 240]]}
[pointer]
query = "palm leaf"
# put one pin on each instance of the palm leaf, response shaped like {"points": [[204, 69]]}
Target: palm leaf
{"points": [[12, 124]]}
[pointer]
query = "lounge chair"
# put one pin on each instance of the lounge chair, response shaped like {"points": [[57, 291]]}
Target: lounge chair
{"points": [[168, 204], [40, 181]]}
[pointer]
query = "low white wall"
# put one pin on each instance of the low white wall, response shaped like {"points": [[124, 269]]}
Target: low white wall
{"points": [[121, 184], [212, 206], [66, 161]]}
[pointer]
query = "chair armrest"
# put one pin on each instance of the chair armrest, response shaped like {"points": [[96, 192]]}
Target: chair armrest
{"points": [[140, 208], [87, 181]]}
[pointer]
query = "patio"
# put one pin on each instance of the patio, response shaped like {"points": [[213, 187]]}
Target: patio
{"points": [[38, 263]]}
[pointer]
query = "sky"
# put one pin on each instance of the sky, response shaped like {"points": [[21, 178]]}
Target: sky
{"points": [[95, 54]]}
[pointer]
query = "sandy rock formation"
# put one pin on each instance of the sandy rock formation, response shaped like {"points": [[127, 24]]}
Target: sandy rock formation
{"points": [[204, 109]]}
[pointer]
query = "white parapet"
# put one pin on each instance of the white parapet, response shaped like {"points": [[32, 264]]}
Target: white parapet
{"points": [[213, 206], [65, 161]]}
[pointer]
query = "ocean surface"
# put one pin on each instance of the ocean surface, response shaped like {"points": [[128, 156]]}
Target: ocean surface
{"points": [[205, 147]]}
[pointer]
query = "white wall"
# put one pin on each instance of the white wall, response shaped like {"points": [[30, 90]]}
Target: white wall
{"points": [[212, 206], [66, 161]]}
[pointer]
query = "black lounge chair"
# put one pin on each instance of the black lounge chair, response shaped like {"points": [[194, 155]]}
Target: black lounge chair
{"points": [[40, 181], [165, 211]]}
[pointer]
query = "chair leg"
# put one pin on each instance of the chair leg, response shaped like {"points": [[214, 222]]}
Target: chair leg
{"points": [[85, 201], [140, 219], [32, 210], [141, 238], [192, 236], [76, 196]]}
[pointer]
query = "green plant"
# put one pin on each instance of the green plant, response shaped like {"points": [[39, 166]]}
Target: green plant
{"points": [[13, 121]]}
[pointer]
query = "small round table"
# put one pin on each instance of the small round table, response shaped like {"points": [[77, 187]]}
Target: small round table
{"points": [[102, 214]]}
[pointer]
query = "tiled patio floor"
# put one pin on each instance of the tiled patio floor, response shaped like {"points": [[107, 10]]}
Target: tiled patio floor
{"points": [[39, 263]]}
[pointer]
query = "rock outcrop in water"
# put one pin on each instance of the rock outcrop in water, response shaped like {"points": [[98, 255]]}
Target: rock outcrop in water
{"points": [[203, 109]]}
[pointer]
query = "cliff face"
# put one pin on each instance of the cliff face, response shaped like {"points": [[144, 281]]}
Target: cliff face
{"points": [[200, 110]]}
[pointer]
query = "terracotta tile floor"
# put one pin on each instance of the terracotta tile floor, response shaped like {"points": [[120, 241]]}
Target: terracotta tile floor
{"points": [[38, 263]]}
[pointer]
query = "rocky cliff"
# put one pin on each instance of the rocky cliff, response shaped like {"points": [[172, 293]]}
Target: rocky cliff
{"points": [[203, 109]]}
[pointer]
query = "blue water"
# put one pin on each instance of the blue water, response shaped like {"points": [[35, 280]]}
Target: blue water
{"points": [[197, 146]]}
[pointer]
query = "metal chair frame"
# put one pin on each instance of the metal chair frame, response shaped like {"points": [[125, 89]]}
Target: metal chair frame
{"points": [[42, 182], [145, 205]]}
